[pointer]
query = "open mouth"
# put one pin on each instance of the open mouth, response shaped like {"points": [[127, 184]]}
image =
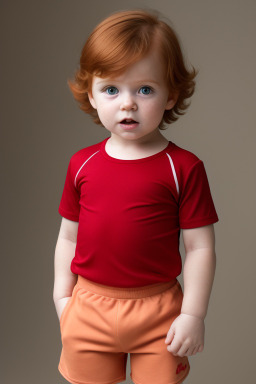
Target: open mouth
{"points": [[128, 121]]}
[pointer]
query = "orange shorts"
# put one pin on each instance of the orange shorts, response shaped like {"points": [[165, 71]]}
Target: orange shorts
{"points": [[100, 325]]}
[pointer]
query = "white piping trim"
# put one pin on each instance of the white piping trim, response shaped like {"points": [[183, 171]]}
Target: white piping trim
{"points": [[174, 173], [83, 165]]}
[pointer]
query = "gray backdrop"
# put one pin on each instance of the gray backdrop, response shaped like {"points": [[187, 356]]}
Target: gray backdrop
{"points": [[42, 127]]}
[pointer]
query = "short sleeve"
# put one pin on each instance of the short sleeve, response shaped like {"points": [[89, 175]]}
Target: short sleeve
{"points": [[196, 207], [69, 205]]}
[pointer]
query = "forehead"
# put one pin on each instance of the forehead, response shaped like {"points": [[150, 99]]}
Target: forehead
{"points": [[148, 69]]}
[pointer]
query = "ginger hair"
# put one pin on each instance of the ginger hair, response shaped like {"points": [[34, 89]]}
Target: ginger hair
{"points": [[124, 38]]}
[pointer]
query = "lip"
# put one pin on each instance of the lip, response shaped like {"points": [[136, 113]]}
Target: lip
{"points": [[128, 118], [128, 126]]}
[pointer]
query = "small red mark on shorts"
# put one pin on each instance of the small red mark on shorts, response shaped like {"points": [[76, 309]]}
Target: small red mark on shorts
{"points": [[180, 368]]}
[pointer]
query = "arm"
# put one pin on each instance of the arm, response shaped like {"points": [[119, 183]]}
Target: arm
{"points": [[187, 331], [64, 279], [199, 270]]}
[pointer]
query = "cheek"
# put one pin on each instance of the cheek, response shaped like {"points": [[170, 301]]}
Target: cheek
{"points": [[104, 105], [156, 107], [105, 113]]}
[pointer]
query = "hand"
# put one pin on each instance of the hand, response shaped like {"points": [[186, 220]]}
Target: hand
{"points": [[60, 305], [186, 335]]}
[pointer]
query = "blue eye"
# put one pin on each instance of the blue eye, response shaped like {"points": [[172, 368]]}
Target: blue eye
{"points": [[148, 90], [112, 90]]}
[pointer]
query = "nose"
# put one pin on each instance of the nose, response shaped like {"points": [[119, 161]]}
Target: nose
{"points": [[128, 103]]}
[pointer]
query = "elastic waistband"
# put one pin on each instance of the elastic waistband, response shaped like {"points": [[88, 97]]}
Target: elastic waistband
{"points": [[124, 293]]}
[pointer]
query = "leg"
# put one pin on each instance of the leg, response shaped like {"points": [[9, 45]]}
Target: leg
{"points": [[142, 328], [89, 353]]}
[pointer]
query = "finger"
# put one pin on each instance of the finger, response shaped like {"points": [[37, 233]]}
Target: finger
{"points": [[170, 336], [174, 346], [195, 350], [190, 351], [184, 349]]}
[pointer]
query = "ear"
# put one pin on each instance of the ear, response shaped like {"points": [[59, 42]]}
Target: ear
{"points": [[91, 99], [172, 99]]}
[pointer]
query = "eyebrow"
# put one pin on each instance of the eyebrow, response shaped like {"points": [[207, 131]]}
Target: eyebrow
{"points": [[116, 81]]}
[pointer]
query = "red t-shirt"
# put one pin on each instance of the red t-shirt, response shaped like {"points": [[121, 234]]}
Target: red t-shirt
{"points": [[130, 213]]}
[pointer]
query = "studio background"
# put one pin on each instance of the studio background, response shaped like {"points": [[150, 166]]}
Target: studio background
{"points": [[42, 126]]}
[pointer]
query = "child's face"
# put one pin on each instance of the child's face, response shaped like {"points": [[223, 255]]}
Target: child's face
{"points": [[140, 93]]}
